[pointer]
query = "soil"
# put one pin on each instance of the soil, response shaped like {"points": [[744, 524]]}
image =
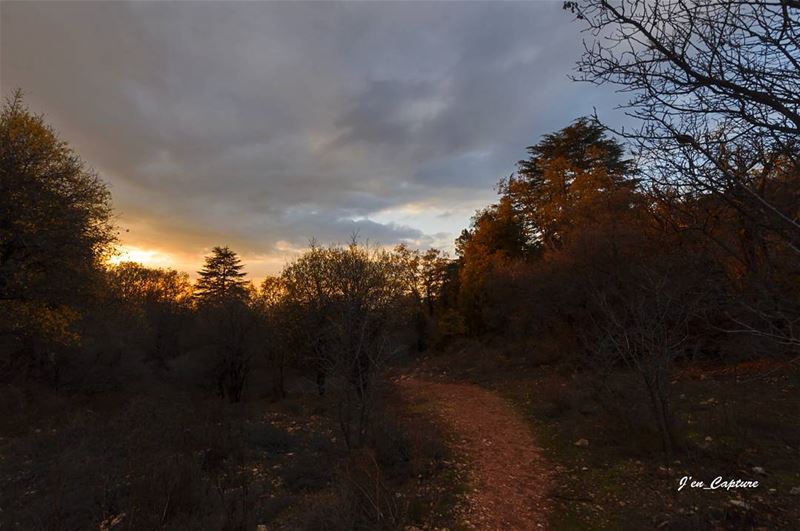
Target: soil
{"points": [[508, 475]]}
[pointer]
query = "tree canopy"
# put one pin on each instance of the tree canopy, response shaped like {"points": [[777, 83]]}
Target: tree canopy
{"points": [[221, 278], [56, 228], [564, 174]]}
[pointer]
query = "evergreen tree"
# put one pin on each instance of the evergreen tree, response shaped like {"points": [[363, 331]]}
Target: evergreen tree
{"points": [[568, 173], [221, 278]]}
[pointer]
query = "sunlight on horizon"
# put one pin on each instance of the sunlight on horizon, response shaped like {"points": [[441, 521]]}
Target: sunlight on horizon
{"points": [[258, 266], [147, 257]]}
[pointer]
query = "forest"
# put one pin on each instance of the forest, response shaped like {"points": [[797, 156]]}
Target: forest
{"points": [[622, 321]]}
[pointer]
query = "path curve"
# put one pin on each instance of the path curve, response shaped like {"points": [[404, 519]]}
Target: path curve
{"points": [[508, 474]]}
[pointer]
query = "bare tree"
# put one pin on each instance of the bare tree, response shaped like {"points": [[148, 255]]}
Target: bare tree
{"points": [[640, 318], [705, 78], [714, 87]]}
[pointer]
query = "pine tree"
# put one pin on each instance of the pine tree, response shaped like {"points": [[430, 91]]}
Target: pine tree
{"points": [[567, 173], [221, 278]]}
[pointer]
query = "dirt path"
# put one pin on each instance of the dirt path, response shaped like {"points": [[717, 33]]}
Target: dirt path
{"points": [[508, 474]]}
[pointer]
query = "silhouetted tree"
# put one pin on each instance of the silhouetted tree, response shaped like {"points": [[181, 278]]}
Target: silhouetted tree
{"points": [[709, 80], [422, 275], [221, 277], [229, 319], [55, 230], [159, 300], [351, 300], [279, 324]]}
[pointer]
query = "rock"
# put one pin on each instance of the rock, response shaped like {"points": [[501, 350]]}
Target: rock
{"points": [[708, 439], [795, 491], [582, 443], [759, 470]]}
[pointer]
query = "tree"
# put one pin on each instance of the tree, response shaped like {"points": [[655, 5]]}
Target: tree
{"points": [[497, 229], [713, 86], [140, 285], [228, 318], [574, 179], [706, 78], [232, 325], [280, 326], [496, 237], [55, 231], [433, 275], [310, 291], [349, 297], [643, 313], [221, 277], [566, 173], [158, 299], [422, 276]]}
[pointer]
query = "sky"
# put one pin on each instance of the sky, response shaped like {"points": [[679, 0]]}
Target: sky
{"points": [[263, 125]]}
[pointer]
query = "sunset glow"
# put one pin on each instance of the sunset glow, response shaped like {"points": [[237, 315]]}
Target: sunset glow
{"points": [[148, 257]]}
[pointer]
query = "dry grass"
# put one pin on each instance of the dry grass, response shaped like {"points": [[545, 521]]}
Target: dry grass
{"points": [[162, 460]]}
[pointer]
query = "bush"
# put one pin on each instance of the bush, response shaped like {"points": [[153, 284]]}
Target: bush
{"points": [[144, 466]]}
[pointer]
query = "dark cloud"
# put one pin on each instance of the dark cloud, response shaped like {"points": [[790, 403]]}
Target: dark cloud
{"points": [[266, 124]]}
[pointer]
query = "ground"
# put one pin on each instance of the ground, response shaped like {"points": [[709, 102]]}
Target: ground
{"points": [[508, 476], [470, 439], [604, 466], [124, 460]]}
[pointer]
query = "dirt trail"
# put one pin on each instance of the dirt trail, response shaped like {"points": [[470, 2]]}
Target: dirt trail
{"points": [[508, 474]]}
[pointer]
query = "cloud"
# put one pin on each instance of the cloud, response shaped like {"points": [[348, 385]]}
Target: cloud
{"points": [[261, 125]]}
